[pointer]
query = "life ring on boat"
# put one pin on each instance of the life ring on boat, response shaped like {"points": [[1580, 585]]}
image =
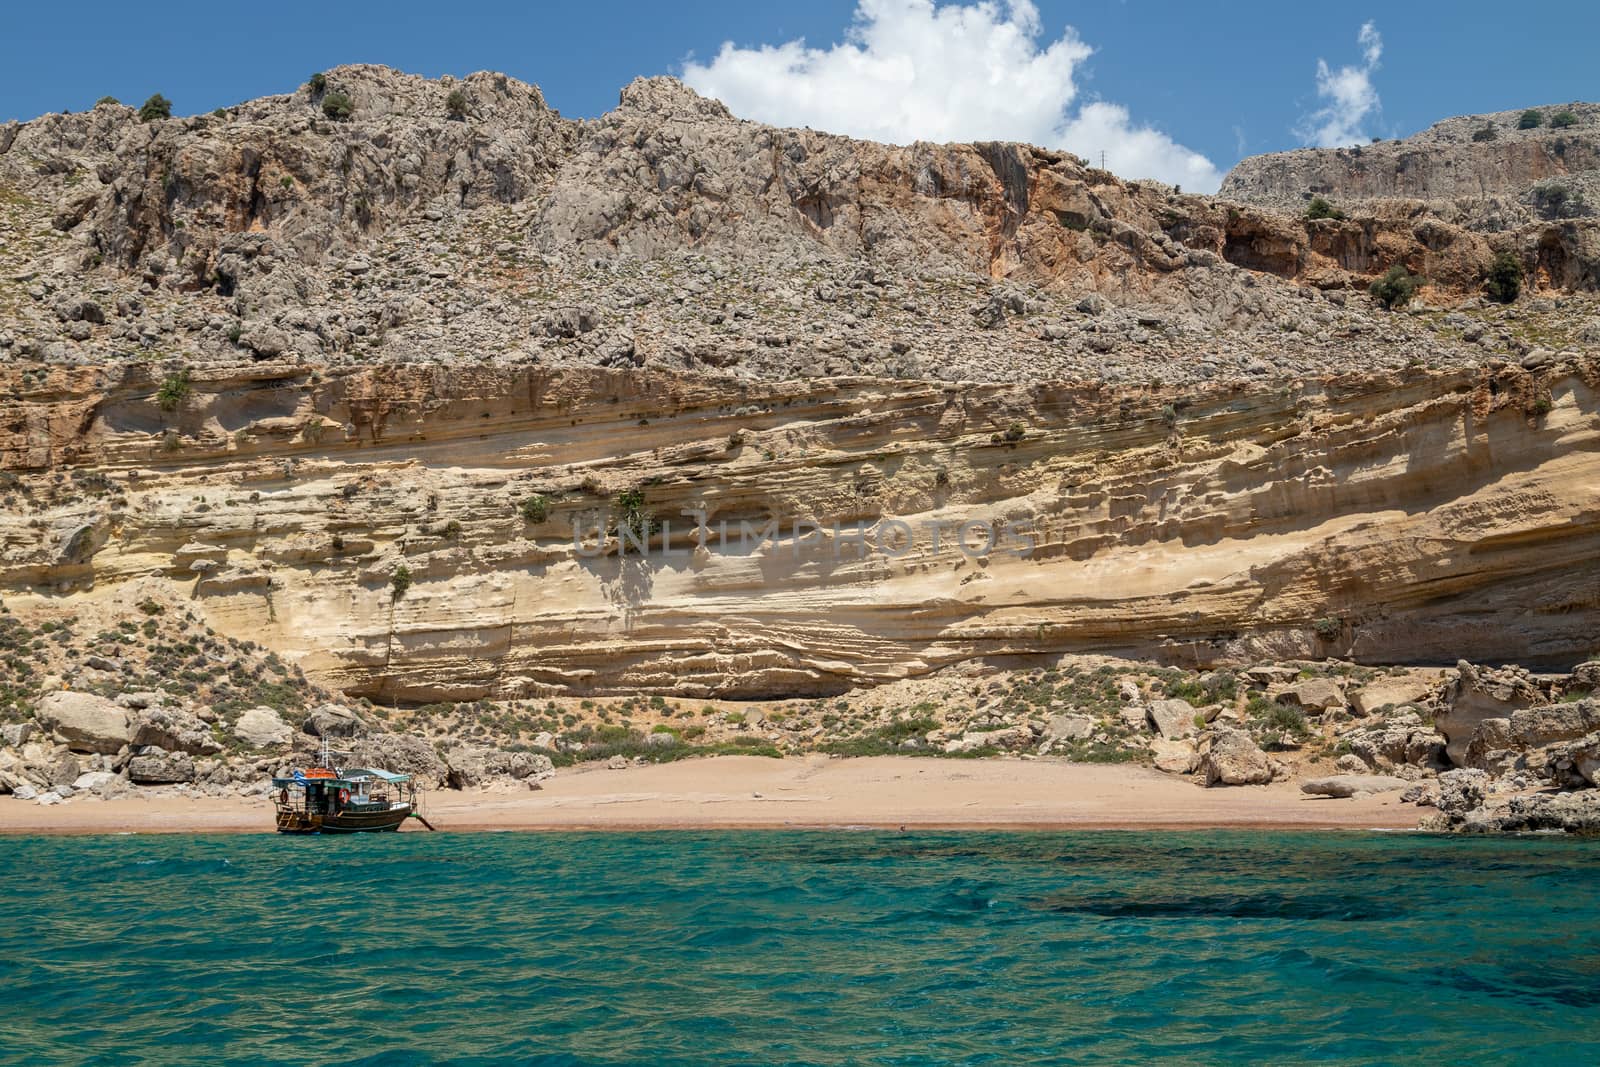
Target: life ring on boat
{"points": [[283, 795], [344, 796]]}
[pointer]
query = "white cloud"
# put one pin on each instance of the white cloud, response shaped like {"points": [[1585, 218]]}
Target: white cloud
{"points": [[909, 70], [1350, 95]]}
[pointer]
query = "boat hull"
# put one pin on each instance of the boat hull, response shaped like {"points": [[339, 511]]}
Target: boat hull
{"points": [[344, 822]]}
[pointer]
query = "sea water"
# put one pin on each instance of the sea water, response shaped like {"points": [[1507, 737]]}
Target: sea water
{"points": [[800, 948]]}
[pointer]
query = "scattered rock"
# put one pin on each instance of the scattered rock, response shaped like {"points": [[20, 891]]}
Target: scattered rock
{"points": [[1352, 785], [1231, 757], [85, 722]]}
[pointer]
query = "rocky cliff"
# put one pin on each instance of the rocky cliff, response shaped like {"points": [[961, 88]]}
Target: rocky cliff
{"points": [[346, 367], [1502, 169], [575, 531]]}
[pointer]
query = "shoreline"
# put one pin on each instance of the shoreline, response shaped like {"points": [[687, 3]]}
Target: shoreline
{"points": [[798, 793]]}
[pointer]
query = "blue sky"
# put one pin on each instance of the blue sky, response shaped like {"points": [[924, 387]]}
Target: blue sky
{"points": [[1217, 81]]}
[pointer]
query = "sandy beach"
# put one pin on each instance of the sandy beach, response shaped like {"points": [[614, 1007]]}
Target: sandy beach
{"points": [[805, 792]]}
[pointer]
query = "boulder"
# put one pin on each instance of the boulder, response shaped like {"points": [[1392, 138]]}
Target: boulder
{"points": [[16, 734], [161, 768], [1585, 676], [1231, 757], [334, 720], [973, 740], [1533, 727], [64, 771], [1352, 785], [1398, 741], [1390, 691], [262, 727], [1172, 718], [1261, 677], [1070, 728], [401, 753], [92, 780], [1315, 695], [1462, 791], [173, 730], [1477, 694], [85, 722], [471, 765], [1173, 757]]}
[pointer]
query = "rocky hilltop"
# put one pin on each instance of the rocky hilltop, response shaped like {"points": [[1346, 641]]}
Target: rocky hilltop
{"points": [[521, 435], [1500, 171]]}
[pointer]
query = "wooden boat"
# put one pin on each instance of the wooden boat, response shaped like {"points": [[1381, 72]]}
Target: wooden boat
{"points": [[323, 800]]}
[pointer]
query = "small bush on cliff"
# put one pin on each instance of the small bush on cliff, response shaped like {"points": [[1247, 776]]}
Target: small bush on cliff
{"points": [[157, 107], [174, 390], [400, 581], [107, 100], [1321, 209], [337, 106], [1531, 119], [455, 105], [318, 83], [1563, 120], [1505, 278], [1329, 627], [1396, 288], [536, 509], [1487, 133]]}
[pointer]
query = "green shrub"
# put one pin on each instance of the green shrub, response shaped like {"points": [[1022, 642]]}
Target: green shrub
{"points": [[318, 83], [1486, 133], [1505, 278], [1329, 628], [174, 390], [631, 515], [536, 509], [1555, 200], [1285, 720], [337, 106], [157, 107], [455, 104], [1321, 209], [1531, 119], [400, 581], [1541, 407], [107, 100], [1562, 120], [1396, 287]]}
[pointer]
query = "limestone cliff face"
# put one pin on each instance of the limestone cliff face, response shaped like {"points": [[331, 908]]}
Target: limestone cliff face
{"points": [[1421, 516], [1469, 157]]}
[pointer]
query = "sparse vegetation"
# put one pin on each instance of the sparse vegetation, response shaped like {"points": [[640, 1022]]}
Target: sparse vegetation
{"points": [[174, 391], [318, 83], [536, 509], [1531, 119], [1396, 288], [1329, 627], [1487, 132], [337, 106], [157, 107], [1562, 120], [1322, 209], [1505, 278], [455, 105], [107, 100], [399, 581]]}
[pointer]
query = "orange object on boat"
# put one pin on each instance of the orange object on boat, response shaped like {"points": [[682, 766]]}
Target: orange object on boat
{"points": [[319, 772]]}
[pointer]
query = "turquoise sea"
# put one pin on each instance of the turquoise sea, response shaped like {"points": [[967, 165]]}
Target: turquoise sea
{"points": [[800, 948]]}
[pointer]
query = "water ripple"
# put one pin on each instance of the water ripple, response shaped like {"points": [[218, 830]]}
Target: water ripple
{"points": [[799, 948]]}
